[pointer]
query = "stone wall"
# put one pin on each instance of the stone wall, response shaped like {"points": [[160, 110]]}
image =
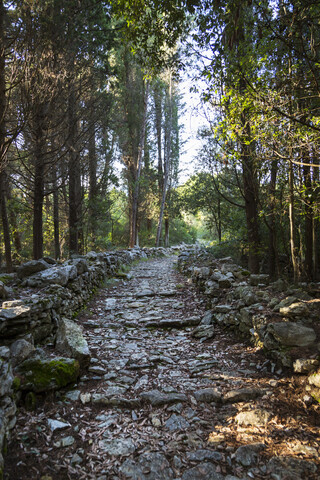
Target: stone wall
{"points": [[38, 301], [280, 319]]}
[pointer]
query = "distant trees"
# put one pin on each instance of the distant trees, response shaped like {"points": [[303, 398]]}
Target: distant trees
{"points": [[73, 101], [263, 90]]}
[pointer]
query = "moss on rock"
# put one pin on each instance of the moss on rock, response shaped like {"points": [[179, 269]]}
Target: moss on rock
{"points": [[41, 375]]}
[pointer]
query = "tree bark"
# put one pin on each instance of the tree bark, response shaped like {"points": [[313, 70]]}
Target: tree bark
{"points": [[73, 172], [92, 210], [167, 159], [38, 189], [135, 196], [273, 256], [293, 247], [308, 225], [250, 196], [3, 200], [56, 216]]}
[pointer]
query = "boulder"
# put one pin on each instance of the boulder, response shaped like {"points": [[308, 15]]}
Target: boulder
{"points": [[40, 374], [256, 417], [32, 267], [296, 309], [207, 319], [147, 466], [224, 281], [284, 467], [248, 455], [4, 291], [57, 275], [157, 398], [208, 395], [292, 334], [71, 343], [20, 350], [81, 265], [204, 331]]}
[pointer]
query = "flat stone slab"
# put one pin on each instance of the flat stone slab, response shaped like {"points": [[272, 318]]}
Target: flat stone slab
{"points": [[208, 395], [242, 395], [117, 447], [149, 466], [256, 417], [157, 398], [177, 422], [204, 470]]}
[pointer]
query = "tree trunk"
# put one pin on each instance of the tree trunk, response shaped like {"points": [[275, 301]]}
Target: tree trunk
{"points": [[167, 159], [38, 189], [92, 210], [166, 231], [5, 222], [273, 256], [135, 195], [293, 247], [250, 196], [73, 172], [308, 226], [219, 220], [3, 200], [56, 217]]}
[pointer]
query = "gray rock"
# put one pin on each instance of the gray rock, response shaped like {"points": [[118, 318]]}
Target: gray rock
{"points": [[242, 395], [57, 425], [207, 319], [4, 291], [57, 275], [20, 350], [247, 294], [40, 374], [4, 352], [289, 468], [73, 395], [204, 331], [176, 422], [248, 455], [76, 459], [222, 309], [118, 446], [115, 401], [81, 265], [70, 342], [292, 334], [208, 395], [148, 466], [224, 281], [178, 323], [13, 313], [204, 455], [157, 398], [297, 309], [65, 442], [32, 267], [204, 470], [255, 417]]}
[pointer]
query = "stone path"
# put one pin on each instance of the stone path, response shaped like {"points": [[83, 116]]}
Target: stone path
{"points": [[159, 404]]}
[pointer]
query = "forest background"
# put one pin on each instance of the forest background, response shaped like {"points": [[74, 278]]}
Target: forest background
{"points": [[87, 86]]}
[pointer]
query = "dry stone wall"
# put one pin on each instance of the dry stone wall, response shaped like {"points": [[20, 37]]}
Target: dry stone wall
{"points": [[281, 319], [39, 302]]}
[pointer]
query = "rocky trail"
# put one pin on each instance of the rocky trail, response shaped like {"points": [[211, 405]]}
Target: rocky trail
{"points": [[157, 403]]}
